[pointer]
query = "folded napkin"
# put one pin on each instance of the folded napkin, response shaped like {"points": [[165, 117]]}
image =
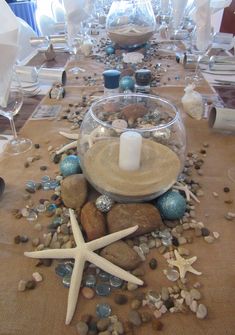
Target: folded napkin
{"points": [[203, 24], [8, 48]]}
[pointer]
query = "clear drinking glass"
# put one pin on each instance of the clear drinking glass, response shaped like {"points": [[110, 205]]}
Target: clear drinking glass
{"points": [[14, 103], [109, 158]]}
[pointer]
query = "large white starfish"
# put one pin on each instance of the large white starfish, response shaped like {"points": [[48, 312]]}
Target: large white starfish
{"points": [[184, 265], [85, 252], [186, 190]]}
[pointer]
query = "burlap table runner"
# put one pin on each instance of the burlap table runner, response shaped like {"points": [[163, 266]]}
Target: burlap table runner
{"points": [[42, 311]]}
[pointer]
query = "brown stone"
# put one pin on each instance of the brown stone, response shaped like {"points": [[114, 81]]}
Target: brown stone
{"points": [[74, 191], [133, 111], [122, 255], [92, 221], [122, 216]]}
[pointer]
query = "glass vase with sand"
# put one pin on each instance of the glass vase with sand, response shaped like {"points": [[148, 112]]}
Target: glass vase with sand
{"points": [[132, 146], [130, 24]]}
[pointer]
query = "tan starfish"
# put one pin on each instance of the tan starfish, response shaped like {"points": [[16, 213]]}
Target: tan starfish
{"points": [[184, 265]]}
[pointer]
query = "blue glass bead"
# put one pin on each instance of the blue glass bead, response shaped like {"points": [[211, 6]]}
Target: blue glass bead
{"points": [[127, 83], [104, 276], [69, 268], [90, 281], [103, 290], [171, 205], [54, 184], [66, 281], [41, 208], [70, 165], [51, 207], [103, 310], [46, 186], [115, 281], [30, 184], [110, 50], [45, 179], [61, 270]]}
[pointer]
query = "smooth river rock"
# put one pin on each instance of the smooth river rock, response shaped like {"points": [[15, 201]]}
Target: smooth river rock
{"points": [[121, 254], [93, 221], [74, 191], [122, 216]]}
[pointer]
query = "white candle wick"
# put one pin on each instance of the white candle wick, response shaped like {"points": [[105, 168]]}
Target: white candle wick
{"points": [[130, 151]]}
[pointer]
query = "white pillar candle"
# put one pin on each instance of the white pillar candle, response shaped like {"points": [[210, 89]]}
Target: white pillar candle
{"points": [[130, 151]]}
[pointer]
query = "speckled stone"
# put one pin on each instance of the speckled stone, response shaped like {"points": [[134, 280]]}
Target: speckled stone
{"points": [[92, 221], [74, 191], [121, 255], [122, 216]]}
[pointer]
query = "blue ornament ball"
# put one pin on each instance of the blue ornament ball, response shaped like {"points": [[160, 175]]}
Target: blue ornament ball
{"points": [[171, 205], [110, 50], [127, 83], [70, 165]]}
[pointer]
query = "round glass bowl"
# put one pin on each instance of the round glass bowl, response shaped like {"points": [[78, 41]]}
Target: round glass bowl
{"points": [[130, 24], [132, 146]]}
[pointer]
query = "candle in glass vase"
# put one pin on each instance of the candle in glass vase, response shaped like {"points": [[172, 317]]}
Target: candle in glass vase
{"points": [[130, 151]]}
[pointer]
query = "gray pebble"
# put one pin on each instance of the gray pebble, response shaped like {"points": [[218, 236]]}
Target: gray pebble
{"points": [[131, 286], [103, 324], [118, 327], [82, 328], [134, 318], [195, 294], [201, 311], [22, 285]]}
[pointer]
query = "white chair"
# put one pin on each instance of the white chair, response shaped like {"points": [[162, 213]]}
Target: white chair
{"points": [[25, 33], [58, 11]]}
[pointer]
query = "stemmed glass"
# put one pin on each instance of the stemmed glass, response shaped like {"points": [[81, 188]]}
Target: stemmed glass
{"points": [[199, 50], [75, 40], [13, 105]]}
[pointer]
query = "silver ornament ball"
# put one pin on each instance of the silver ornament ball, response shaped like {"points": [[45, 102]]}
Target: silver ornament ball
{"points": [[104, 203]]}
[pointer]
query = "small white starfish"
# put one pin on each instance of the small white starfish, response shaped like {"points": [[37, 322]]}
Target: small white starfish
{"points": [[184, 265], [71, 145], [186, 190], [70, 136], [85, 252]]}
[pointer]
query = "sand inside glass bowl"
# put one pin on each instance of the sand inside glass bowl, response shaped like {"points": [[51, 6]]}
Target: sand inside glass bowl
{"points": [[158, 170]]}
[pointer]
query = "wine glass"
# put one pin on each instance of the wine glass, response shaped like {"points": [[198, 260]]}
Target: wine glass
{"points": [[200, 48], [75, 40], [12, 107]]}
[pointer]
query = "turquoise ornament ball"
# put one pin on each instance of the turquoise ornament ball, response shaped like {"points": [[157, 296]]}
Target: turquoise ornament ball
{"points": [[110, 50], [171, 205], [127, 83], [70, 165]]}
